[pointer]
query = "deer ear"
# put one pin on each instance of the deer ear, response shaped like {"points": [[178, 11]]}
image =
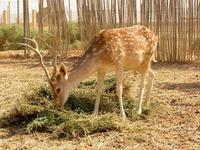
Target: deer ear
{"points": [[63, 69]]}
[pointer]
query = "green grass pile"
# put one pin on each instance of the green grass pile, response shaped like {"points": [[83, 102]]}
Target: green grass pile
{"points": [[37, 112]]}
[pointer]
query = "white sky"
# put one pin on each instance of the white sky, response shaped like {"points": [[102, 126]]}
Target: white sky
{"points": [[33, 5]]}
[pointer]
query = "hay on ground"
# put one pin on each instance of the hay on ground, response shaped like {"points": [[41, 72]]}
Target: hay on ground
{"points": [[38, 113]]}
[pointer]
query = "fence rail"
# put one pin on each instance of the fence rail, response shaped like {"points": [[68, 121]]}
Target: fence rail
{"points": [[176, 22]]}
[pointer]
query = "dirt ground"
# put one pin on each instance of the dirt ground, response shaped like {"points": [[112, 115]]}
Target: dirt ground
{"points": [[174, 124]]}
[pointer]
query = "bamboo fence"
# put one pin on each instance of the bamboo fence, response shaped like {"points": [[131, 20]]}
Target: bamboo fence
{"points": [[176, 22]]}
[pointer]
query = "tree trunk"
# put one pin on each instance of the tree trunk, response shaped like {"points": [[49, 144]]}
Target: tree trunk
{"points": [[26, 26], [40, 18]]}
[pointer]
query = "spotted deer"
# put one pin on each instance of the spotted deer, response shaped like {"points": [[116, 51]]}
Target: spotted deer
{"points": [[119, 49]]}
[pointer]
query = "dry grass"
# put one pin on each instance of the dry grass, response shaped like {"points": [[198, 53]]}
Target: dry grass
{"points": [[11, 54], [37, 112], [174, 124]]}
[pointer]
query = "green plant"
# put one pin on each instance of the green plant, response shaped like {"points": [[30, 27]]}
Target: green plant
{"points": [[75, 119], [73, 31], [9, 36], [76, 45]]}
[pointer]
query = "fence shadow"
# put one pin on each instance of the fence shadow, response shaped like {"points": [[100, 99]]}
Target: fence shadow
{"points": [[192, 86]]}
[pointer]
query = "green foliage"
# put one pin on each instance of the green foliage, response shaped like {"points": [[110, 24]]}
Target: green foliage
{"points": [[88, 124], [74, 32], [11, 35], [76, 45], [42, 91], [64, 122], [44, 121], [76, 119]]}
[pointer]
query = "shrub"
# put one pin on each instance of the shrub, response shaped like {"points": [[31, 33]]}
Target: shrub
{"points": [[11, 35], [74, 32], [76, 45]]}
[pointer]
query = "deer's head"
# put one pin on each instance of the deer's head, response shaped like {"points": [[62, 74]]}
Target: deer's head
{"points": [[59, 85], [58, 81]]}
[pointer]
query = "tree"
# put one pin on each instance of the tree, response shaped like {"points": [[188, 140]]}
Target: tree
{"points": [[26, 26]]}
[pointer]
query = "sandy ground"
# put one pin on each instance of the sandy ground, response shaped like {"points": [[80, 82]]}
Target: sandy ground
{"points": [[174, 124]]}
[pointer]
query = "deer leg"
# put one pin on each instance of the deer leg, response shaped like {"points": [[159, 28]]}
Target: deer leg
{"points": [[99, 88], [149, 86], [141, 94], [119, 89]]}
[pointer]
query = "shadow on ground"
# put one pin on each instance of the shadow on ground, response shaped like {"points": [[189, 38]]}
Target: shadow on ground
{"points": [[192, 86]]}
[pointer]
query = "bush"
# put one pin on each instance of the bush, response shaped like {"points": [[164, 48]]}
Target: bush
{"points": [[74, 32], [76, 45], [11, 35]]}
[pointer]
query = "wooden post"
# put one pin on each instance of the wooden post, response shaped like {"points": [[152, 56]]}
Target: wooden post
{"points": [[26, 26], [17, 11], [40, 18], [5, 17], [8, 12], [34, 20]]}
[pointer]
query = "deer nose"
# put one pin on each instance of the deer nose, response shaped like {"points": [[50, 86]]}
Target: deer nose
{"points": [[58, 104], [58, 90]]}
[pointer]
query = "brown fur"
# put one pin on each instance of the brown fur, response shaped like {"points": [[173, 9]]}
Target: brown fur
{"points": [[130, 48]]}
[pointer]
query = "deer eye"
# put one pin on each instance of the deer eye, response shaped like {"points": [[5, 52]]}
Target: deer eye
{"points": [[58, 90]]}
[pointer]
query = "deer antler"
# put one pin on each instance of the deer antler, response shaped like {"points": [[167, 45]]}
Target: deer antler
{"points": [[55, 44], [50, 47], [49, 34], [36, 50], [45, 43]]}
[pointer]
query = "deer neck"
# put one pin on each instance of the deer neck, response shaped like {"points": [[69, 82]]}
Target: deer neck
{"points": [[80, 72]]}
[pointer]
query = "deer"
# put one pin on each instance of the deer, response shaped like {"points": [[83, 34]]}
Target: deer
{"points": [[116, 49]]}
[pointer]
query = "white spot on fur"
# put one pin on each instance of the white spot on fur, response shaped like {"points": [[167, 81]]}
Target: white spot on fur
{"points": [[87, 56], [93, 54], [83, 61], [94, 49]]}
